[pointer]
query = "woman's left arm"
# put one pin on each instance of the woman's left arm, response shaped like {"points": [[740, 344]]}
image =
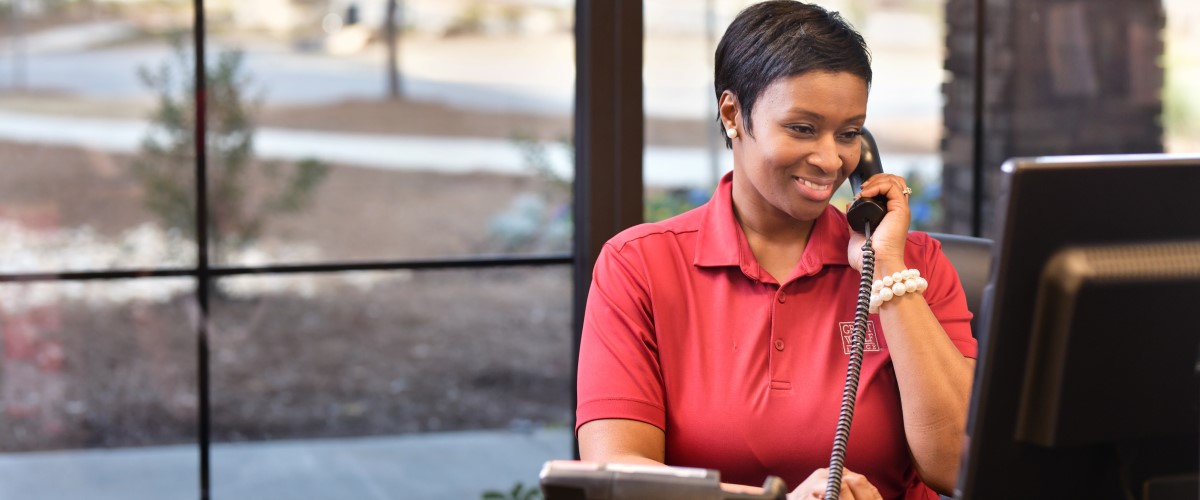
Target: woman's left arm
{"points": [[935, 386], [933, 375]]}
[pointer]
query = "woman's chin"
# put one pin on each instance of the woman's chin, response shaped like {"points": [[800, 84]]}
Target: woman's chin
{"points": [[808, 212]]}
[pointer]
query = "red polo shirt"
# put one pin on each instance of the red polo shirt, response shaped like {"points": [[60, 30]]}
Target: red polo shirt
{"points": [[685, 331]]}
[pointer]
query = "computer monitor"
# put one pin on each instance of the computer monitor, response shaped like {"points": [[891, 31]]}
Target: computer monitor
{"points": [[1088, 379]]}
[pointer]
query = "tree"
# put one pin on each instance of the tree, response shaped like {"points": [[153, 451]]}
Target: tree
{"points": [[165, 165]]}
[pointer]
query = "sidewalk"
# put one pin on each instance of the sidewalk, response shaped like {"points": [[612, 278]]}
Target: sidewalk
{"points": [[453, 465], [665, 166]]}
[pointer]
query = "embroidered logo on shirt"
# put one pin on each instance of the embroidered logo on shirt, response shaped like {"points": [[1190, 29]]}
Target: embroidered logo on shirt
{"points": [[871, 342]]}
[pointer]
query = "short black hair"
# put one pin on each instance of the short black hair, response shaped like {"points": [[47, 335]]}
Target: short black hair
{"points": [[784, 38]]}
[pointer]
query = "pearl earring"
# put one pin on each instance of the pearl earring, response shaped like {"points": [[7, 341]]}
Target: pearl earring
{"points": [[731, 133]]}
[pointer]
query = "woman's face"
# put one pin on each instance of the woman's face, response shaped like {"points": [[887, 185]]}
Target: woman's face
{"points": [[805, 143]]}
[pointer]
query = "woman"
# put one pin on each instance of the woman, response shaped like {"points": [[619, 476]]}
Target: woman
{"points": [[717, 338]]}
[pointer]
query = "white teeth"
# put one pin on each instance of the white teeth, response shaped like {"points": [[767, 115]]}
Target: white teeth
{"points": [[818, 187]]}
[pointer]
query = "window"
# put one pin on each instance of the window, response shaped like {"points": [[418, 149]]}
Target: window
{"points": [[685, 154], [1181, 106], [386, 250]]}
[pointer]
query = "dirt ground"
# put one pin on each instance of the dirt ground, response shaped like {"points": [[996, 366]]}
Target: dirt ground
{"points": [[356, 354], [417, 352]]}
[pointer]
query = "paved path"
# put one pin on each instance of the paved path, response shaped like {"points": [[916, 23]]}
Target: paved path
{"points": [[666, 166], [457, 465]]}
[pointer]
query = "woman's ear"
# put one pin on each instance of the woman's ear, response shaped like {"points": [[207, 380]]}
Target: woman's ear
{"points": [[730, 112]]}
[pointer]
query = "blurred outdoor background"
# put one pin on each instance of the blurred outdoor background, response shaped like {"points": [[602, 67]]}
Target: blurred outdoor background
{"points": [[335, 139]]}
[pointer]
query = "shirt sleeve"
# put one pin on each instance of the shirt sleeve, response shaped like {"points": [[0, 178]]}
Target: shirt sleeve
{"points": [[945, 294], [619, 373]]}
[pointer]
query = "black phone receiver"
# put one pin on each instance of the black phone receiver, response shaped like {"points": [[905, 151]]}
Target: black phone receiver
{"points": [[862, 213], [866, 210]]}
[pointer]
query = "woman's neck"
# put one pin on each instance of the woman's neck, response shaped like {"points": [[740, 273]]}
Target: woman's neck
{"points": [[776, 239]]}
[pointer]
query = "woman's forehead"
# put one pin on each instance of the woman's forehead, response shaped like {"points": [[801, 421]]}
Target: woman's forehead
{"points": [[839, 95]]}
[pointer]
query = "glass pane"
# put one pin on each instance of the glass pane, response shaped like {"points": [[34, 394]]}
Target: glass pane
{"points": [[92, 174], [98, 390], [685, 156], [685, 153], [432, 384], [1181, 97], [325, 151]]}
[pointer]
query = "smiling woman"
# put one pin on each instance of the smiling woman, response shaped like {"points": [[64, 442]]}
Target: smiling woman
{"points": [[752, 388], [807, 143]]}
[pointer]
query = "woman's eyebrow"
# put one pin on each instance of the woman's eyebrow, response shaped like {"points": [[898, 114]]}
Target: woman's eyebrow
{"points": [[813, 115]]}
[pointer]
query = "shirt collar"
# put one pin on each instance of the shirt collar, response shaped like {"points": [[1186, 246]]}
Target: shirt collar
{"points": [[721, 241]]}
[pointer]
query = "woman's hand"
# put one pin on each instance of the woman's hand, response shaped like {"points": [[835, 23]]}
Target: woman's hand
{"points": [[887, 240], [854, 487]]}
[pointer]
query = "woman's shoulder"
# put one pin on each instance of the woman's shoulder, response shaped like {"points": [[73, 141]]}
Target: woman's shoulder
{"points": [[684, 225], [921, 239], [921, 244], [925, 252]]}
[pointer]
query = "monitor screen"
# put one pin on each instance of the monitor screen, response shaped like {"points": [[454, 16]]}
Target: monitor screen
{"points": [[1086, 384]]}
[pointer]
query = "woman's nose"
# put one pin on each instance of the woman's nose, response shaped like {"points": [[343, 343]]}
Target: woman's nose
{"points": [[826, 155]]}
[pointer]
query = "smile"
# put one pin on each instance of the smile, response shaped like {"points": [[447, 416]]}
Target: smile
{"points": [[814, 186]]}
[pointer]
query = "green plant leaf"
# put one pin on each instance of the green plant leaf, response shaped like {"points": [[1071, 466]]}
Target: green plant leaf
{"points": [[243, 194]]}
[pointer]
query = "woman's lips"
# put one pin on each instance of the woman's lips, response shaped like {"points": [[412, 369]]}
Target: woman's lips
{"points": [[814, 190]]}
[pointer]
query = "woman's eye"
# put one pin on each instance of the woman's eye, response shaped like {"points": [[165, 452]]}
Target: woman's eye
{"points": [[852, 135], [802, 129]]}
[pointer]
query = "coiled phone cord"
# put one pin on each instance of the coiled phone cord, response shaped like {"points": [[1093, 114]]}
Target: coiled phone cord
{"points": [[837, 460]]}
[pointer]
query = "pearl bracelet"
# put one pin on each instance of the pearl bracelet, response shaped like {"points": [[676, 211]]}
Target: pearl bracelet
{"points": [[900, 283]]}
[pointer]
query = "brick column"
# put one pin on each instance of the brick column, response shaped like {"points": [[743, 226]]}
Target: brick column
{"points": [[1060, 77]]}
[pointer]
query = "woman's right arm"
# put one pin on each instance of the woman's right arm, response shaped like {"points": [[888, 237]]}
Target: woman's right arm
{"points": [[618, 440], [620, 381]]}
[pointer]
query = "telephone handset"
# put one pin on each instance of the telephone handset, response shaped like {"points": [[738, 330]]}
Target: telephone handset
{"points": [[863, 216], [865, 210]]}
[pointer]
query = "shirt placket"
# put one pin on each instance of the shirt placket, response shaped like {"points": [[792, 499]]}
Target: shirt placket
{"points": [[778, 346]]}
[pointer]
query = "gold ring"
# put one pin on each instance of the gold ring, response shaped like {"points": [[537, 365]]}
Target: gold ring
{"points": [[907, 191]]}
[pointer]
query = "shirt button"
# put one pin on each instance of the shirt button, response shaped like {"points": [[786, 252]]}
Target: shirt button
{"points": [[778, 344], [782, 298]]}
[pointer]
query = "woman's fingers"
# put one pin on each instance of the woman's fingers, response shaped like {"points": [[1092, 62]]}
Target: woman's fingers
{"points": [[894, 187], [854, 487], [859, 487]]}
